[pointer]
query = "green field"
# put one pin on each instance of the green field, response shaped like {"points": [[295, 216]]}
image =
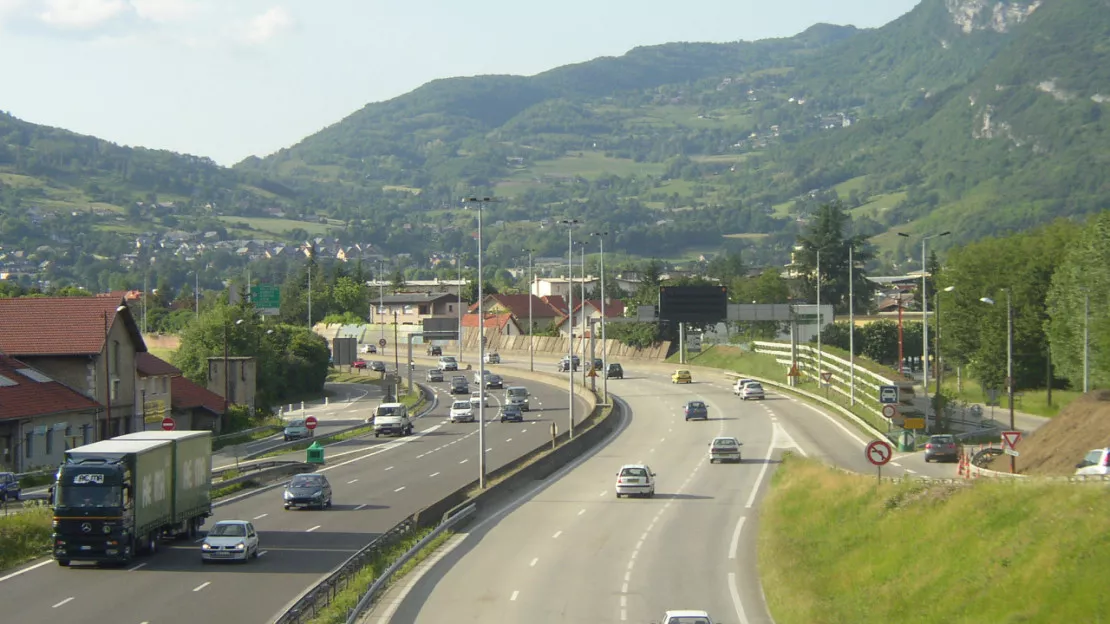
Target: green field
{"points": [[747, 236], [278, 226], [401, 189], [989, 550], [878, 205], [846, 187], [589, 165]]}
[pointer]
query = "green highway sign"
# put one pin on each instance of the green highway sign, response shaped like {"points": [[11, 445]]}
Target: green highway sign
{"points": [[266, 298]]}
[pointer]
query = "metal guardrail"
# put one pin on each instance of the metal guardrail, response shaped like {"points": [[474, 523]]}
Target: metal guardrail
{"points": [[383, 579], [253, 467]]}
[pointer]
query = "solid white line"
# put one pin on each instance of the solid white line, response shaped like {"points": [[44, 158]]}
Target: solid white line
{"points": [[313, 528], [736, 538], [25, 570], [362, 506], [62, 602], [835, 422], [348, 483], [260, 516], [136, 567], [202, 586], [740, 616], [557, 534], [434, 474], [534, 562], [763, 469], [624, 601], [399, 489], [513, 597]]}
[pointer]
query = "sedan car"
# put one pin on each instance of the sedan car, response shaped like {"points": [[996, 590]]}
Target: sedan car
{"points": [[686, 616], [296, 430], [511, 413], [614, 371], [434, 374], [725, 448], [495, 381], [942, 447], [308, 490], [753, 390], [459, 385], [230, 540], [359, 364], [478, 399], [682, 376], [568, 364], [377, 366], [635, 480], [696, 410]]}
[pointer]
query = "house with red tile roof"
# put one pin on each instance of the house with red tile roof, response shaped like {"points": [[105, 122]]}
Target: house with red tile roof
{"points": [[153, 387], [502, 323], [86, 343], [587, 310], [543, 312], [194, 406], [164, 391], [40, 417]]}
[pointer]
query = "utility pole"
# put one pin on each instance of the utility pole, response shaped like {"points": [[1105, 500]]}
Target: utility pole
{"points": [[570, 223], [851, 323], [1086, 342], [531, 327], [820, 368], [310, 295], [582, 314], [604, 295]]}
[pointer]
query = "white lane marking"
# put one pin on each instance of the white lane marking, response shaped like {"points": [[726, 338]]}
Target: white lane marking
{"points": [[313, 528], [534, 562], [489, 449], [557, 534], [513, 597], [399, 489], [263, 553], [261, 516], [421, 455], [388, 469], [736, 538], [62, 602], [624, 601], [523, 431], [25, 570], [763, 469], [362, 506], [663, 439], [581, 511], [833, 421], [604, 492], [895, 464], [624, 588], [624, 615], [508, 439], [464, 461], [202, 586], [741, 617], [911, 471], [137, 567], [434, 474], [352, 481], [198, 541]]}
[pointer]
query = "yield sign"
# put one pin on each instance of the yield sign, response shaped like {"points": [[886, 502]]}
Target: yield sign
{"points": [[826, 376], [1010, 439]]}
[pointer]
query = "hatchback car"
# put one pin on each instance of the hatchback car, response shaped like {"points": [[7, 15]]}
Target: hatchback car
{"points": [[696, 410], [635, 480], [478, 399], [461, 411], [614, 371], [296, 430], [495, 382], [686, 616], [682, 376], [448, 363], [597, 364], [725, 448], [230, 540], [359, 364], [511, 413], [434, 374], [308, 490], [9, 487], [738, 387], [942, 447], [377, 366], [1095, 462], [752, 391], [435, 350]]}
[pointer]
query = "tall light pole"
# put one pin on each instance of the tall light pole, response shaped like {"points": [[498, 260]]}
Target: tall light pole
{"points": [[381, 297], [936, 345], [531, 333], [819, 365], [1009, 359], [458, 263], [570, 223], [925, 322], [108, 371], [604, 295], [481, 202], [851, 322], [582, 315], [310, 294]]}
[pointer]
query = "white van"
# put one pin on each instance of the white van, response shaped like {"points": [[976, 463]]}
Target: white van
{"points": [[392, 419], [517, 395]]}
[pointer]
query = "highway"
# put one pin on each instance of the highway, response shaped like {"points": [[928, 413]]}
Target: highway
{"points": [[574, 552], [376, 483]]}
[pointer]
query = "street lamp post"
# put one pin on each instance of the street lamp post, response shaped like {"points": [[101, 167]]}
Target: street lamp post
{"points": [[851, 323], [925, 322], [531, 333], [1009, 360], [1086, 341], [819, 323], [582, 314], [458, 263], [936, 339], [604, 345], [480, 202], [570, 223], [381, 299]]}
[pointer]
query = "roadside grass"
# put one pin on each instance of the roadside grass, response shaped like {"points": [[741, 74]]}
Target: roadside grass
{"points": [[25, 536], [346, 599], [998, 550], [1033, 402], [37, 480], [274, 426]]}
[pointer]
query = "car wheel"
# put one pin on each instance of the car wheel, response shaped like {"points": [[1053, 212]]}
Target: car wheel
{"points": [[618, 494], [286, 507], [651, 493], [63, 563]]}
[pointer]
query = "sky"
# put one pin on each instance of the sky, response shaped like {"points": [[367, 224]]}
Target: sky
{"points": [[228, 79]]}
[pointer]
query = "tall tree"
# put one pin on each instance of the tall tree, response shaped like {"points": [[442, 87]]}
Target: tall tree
{"points": [[827, 235]]}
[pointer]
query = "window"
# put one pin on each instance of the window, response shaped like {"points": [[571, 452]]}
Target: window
{"points": [[29, 445], [115, 389], [50, 440], [85, 433]]}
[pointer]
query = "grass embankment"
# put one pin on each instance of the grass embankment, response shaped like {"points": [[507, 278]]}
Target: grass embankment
{"points": [[24, 536], [765, 366], [985, 551], [1033, 402], [345, 600]]}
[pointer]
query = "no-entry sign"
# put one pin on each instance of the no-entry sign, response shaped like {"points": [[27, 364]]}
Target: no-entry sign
{"points": [[310, 423], [168, 424]]}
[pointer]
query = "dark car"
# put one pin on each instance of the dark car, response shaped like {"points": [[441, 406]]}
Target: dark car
{"points": [[459, 385], [435, 350], [942, 447], [614, 371], [696, 409], [308, 490], [568, 363], [377, 366], [434, 374], [495, 381], [598, 364], [9, 487], [511, 413]]}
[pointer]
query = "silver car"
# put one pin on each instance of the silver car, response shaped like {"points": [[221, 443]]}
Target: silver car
{"points": [[230, 540]]}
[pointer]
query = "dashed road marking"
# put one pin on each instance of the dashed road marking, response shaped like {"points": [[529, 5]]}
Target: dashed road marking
{"points": [[261, 516], [64, 602], [313, 528], [136, 567], [557, 534], [399, 489], [534, 562], [362, 506], [434, 474], [513, 597], [202, 586]]}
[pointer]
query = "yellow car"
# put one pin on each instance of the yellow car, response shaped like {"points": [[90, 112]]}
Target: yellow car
{"points": [[682, 376]]}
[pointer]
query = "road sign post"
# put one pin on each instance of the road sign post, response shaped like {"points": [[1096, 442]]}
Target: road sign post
{"points": [[1009, 442], [266, 298], [826, 379], [879, 452], [168, 424], [310, 423]]}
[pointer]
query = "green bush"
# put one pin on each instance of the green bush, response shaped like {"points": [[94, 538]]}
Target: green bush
{"points": [[24, 536]]}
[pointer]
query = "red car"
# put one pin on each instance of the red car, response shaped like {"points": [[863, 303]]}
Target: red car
{"points": [[359, 364]]}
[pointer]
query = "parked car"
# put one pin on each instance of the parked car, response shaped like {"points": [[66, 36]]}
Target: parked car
{"points": [[495, 382], [635, 480], [230, 540], [614, 371], [296, 430], [725, 448], [435, 350], [377, 366], [9, 487], [308, 490], [434, 374], [943, 446], [682, 376], [511, 413], [461, 411], [1095, 462], [752, 391], [696, 410], [493, 358], [359, 364]]}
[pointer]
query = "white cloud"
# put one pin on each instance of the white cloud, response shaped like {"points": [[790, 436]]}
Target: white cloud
{"points": [[81, 14], [266, 26], [165, 10]]}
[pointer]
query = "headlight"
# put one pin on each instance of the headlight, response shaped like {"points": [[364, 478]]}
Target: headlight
{"points": [[206, 546], [288, 495], [318, 494], [240, 546]]}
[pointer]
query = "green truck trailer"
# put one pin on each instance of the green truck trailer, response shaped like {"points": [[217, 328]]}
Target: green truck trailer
{"points": [[117, 498]]}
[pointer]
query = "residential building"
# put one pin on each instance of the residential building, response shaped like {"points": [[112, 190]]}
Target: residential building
{"points": [[238, 387], [587, 310], [153, 387], [86, 343], [503, 323], [195, 407], [432, 286], [546, 286], [40, 417], [544, 313], [412, 308]]}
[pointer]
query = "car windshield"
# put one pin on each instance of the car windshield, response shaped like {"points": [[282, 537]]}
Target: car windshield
{"points": [[633, 472], [90, 496], [228, 530], [296, 423], [307, 481], [688, 620], [753, 386], [724, 442], [447, 358], [461, 405]]}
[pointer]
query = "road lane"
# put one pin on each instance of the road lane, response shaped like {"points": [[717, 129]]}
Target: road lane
{"points": [[375, 487]]}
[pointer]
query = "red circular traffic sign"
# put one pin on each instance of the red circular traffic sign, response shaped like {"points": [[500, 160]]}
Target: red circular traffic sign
{"points": [[879, 452], [310, 423], [168, 424], [889, 411], [381, 343]]}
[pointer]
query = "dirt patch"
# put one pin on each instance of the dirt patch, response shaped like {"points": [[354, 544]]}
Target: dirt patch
{"points": [[1055, 448]]}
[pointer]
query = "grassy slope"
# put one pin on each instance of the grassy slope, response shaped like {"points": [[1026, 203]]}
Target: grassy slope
{"points": [[994, 551]]}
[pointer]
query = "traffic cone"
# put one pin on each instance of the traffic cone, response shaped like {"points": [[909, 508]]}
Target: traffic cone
{"points": [[960, 469]]}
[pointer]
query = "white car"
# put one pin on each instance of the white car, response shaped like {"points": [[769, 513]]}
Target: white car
{"points": [[476, 400], [493, 358], [739, 385], [230, 540], [462, 411], [752, 391], [725, 448], [448, 363], [1095, 462], [686, 616], [481, 380], [635, 480]]}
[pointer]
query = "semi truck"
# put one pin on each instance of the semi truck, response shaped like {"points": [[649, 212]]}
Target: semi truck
{"points": [[115, 499]]}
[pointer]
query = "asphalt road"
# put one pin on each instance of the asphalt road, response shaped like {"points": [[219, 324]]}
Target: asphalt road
{"points": [[376, 484], [574, 552]]}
